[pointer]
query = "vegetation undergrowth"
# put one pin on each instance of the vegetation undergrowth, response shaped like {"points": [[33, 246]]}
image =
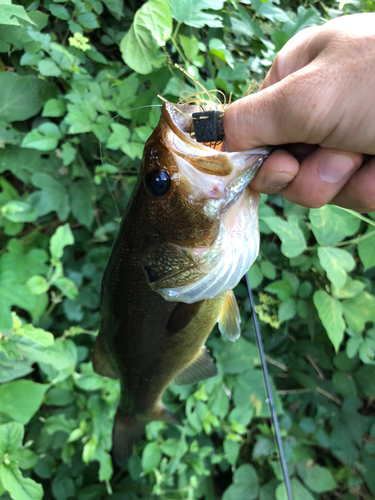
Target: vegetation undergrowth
{"points": [[78, 98]]}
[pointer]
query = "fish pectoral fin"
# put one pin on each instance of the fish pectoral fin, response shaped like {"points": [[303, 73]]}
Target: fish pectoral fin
{"points": [[100, 362], [200, 368], [167, 265], [230, 319], [162, 413], [181, 316]]}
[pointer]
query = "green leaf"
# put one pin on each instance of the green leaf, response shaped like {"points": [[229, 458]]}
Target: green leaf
{"points": [[318, 479], [151, 28], [190, 12], [21, 399], [330, 314], [287, 309], [298, 490], [36, 335], [48, 67], [59, 11], [327, 225], [9, 14], [293, 240], [255, 276], [19, 97], [44, 138], [151, 457], [281, 288], [19, 487], [366, 249], [365, 378], [359, 310], [81, 202], [67, 287], [239, 356], [68, 153], [54, 108], [244, 486], [88, 20], [19, 211], [11, 437], [52, 196], [62, 237], [37, 285], [336, 262], [119, 135]]}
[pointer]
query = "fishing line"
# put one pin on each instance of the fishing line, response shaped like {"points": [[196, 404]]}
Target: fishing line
{"points": [[270, 400]]}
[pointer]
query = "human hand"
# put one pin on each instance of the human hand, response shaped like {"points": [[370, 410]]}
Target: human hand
{"points": [[318, 103]]}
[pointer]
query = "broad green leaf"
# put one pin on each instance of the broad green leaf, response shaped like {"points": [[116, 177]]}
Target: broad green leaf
{"points": [[88, 20], [151, 457], [365, 378], [280, 288], [11, 369], [151, 28], [298, 490], [239, 356], [336, 262], [19, 97], [19, 211], [37, 335], [268, 270], [359, 310], [67, 287], [68, 153], [330, 314], [51, 197], [269, 11], [62, 237], [255, 276], [190, 12], [21, 399], [11, 436], [306, 17], [318, 479], [48, 67], [119, 135], [327, 225], [244, 486], [366, 248], [19, 487], [37, 285], [81, 202], [54, 108], [44, 138], [350, 289], [293, 240], [287, 309], [344, 385], [249, 392], [59, 11], [9, 14]]}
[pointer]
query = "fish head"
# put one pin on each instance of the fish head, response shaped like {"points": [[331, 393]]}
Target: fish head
{"points": [[199, 208]]}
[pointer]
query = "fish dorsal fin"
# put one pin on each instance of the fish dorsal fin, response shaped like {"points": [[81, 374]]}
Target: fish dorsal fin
{"points": [[181, 316], [200, 368], [230, 319]]}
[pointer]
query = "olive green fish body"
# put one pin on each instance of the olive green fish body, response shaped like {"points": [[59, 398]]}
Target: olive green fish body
{"points": [[189, 234]]}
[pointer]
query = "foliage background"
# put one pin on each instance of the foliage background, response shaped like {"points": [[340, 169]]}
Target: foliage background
{"points": [[78, 98]]}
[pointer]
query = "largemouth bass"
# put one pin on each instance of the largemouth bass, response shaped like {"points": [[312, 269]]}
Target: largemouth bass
{"points": [[188, 236]]}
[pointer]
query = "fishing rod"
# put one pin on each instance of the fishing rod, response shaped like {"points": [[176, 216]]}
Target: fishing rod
{"points": [[270, 400]]}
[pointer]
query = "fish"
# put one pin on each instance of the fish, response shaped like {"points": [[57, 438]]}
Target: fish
{"points": [[188, 235]]}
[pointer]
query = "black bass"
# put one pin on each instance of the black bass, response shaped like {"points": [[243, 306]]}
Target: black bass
{"points": [[188, 236]]}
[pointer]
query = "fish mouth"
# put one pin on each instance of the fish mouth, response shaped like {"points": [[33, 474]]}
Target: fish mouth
{"points": [[216, 181]]}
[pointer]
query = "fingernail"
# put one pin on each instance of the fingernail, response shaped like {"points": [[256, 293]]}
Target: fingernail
{"points": [[334, 168], [278, 180]]}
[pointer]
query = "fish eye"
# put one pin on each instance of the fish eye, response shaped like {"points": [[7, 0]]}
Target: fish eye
{"points": [[158, 182]]}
